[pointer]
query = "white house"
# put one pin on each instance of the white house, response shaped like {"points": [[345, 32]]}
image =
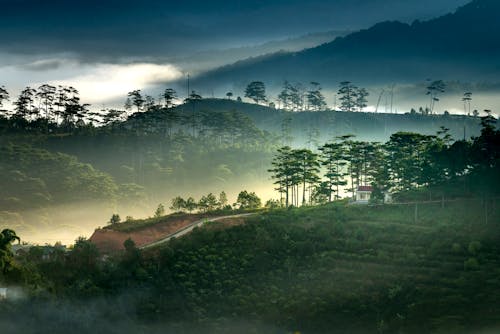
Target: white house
{"points": [[363, 194]]}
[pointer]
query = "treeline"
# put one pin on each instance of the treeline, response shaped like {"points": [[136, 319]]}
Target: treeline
{"points": [[408, 161], [207, 203]]}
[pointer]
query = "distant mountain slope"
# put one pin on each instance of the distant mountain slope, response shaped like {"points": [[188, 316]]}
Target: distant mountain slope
{"points": [[464, 45], [366, 126]]}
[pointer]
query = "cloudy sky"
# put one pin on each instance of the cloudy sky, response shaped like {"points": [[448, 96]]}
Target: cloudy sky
{"points": [[107, 48]]}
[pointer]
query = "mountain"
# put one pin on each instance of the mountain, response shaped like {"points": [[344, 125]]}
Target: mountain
{"points": [[464, 45], [211, 59]]}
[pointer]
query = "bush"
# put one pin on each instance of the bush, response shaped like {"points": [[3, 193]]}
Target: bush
{"points": [[471, 264], [474, 247]]}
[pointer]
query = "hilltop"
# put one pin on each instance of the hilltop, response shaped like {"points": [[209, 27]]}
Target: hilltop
{"points": [[365, 125], [449, 47]]}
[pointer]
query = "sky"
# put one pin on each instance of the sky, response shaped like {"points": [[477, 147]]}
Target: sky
{"points": [[107, 48]]}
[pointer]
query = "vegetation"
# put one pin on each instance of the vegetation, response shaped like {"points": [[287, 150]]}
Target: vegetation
{"points": [[408, 161], [350, 268]]}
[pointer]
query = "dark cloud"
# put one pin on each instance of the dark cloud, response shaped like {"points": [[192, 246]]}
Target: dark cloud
{"points": [[97, 29]]}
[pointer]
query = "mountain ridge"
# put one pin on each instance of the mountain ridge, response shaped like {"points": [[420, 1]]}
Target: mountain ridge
{"points": [[443, 47]]}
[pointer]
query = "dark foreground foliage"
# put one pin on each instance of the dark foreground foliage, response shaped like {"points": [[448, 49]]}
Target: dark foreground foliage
{"points": [[328, 269]]}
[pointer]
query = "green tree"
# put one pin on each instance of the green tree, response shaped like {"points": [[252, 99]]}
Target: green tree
{"points": [[248, 200], [115, 219], [284, 171], [222, 200], [256, 91], [7, 237], [190, 204], [333, 160], [160, 211], [308, 169], [178, 204], [208, 203]]}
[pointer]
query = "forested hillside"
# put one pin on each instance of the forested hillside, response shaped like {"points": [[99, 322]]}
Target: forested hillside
{"points": [[328, 269]]}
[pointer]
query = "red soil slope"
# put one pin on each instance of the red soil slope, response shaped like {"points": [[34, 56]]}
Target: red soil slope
{"points": [[109, 241]]}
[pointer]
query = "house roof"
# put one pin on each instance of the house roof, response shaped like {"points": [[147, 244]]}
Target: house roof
{"points": [[365, 188]]}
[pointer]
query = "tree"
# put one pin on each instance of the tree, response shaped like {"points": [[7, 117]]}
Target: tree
{"points": [[229, 95], [256, 91], [190, 204], [361, 101], [466, 99], [309, 168], [347, 93], [315, 99], [248, 200], [46, 96], [7, 237], [83, 257], [113, 116], [194, 96], [136, 99], [115, 219], [333, 159], [433, 90], [24, 102], [4, 95], [169, 95], [160, 211], [178, 204], [149, 103], [222, 200], [284, 171], [208, 203]]}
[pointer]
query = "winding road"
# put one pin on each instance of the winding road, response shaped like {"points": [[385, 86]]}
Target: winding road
{"points": [[190, 227]]}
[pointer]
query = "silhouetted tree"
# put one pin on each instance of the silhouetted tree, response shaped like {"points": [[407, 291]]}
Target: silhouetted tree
{"points": [[136, 99], [466, 99], [315, 99], [4, 95], [169, 95], [256, 91], [160, 211], [24, 102], [46, 96], [361, 101], [347, 93], [433, 90]]}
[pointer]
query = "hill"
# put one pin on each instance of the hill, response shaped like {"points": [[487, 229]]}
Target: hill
{"points": [[460, 46], [327, 124], [327, 269]]}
